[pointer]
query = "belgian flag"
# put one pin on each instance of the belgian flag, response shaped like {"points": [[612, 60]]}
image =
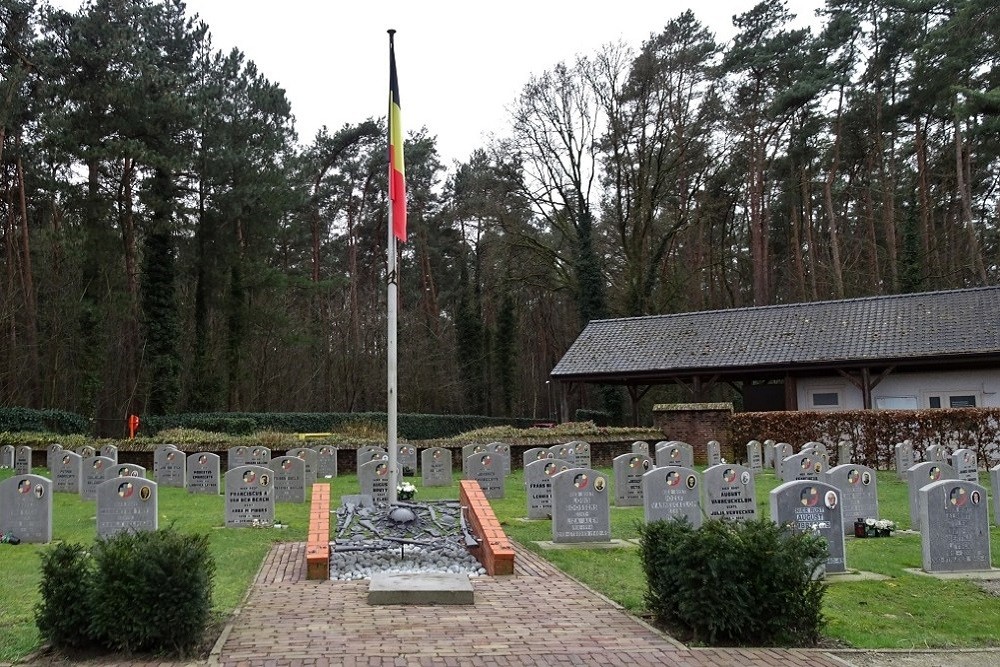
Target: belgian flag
{"points": [[397, 176]]}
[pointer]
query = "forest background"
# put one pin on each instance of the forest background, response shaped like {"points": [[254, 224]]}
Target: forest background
{"points": [[169, 244]]}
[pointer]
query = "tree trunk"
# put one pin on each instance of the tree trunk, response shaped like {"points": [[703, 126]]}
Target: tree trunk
{"points": [[962, 169], [30, 302]]}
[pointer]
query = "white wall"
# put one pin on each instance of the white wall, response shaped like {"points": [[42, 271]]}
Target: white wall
{"points": [[905, 390]]}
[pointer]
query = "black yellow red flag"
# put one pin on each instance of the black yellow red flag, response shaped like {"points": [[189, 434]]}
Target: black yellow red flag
{"points": [[397, 175]]}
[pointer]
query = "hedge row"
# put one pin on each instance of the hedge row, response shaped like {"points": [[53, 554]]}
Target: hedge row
{"points": [[50, 421], [876, 432]]}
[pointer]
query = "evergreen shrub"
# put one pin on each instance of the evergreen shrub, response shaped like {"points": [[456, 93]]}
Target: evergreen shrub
{"points": [[63, 615], [743, 583], [20, 420]]}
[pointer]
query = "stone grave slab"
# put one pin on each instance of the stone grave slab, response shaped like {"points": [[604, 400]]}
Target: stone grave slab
{"points": [[628, 470], [815, 446], [109, 452], [173, 469], [51, 454], [769, 454], [920, 475], [237, 457], [373, 478], [535, 454], [125, 470], [502, 451], [957, 534], [936, 453], [566, 452], [204, 473], [812, 506], [26, 508], [581, 452], [86, 451], [467, 451], [311, 458], [249, 497], [406, 459], [435, 467], [966, 465], [640, 447], [903, 457], [487, 469], [844, 452], [288, 479], [326, 462], [538, 486], [7, 456], [67, 473], [159, 455], [713, 451], [259, 456], [995, 488], [581, 511], [126, 504], [858, 488], [431, 588], [22, 460], [803, 466], [729, 492], [675, 453], [782, 450], [95, 472], [755, 457], [672, 492], [369, 453]]}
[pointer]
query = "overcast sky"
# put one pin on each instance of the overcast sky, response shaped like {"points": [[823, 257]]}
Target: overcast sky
{"points": [[461, 64]]}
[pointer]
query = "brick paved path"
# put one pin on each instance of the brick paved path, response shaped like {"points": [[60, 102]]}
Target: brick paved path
{"points": [[538, 616]]}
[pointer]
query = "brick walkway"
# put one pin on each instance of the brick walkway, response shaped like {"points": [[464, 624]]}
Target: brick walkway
{"points": [[538, 616]]}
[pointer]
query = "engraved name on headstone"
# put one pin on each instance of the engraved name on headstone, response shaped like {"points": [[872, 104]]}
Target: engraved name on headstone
{"points": [[755, 457], [237, 457], [803, 466], [903, 457], [502, 451], [675, 453], [109, 452], [957, 537], [581, 451], [813, 506], [159, 456], [310, 458], [535, 454], [86, 451], [538, 476], [67, 475], [26, 508], [966, 465], [730, 492], [487, 469], [713, 451], [373, 477], [204, 472], [125, 470], [326, 462], [566, 452], [126, 504], [815, 446], [672, 492], [435, 467], [369, 453], [173, 469], [22, 460], [288, 479], [259, 456], [581, 510], [95, 473], [858, 488], [249, 497], [406, 458], [628, 470], [920, 475]]}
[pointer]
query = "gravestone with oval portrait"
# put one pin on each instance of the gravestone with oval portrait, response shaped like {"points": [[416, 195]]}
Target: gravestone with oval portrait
{"points": [[326, 462], [487, 469], [467, 451], [957, 534], [755, 456], [373, 478], [628, 470], [502, 451], [125, 470], [807, 465], [288, 479], [936, 453], [369, 453], [95, 473], [538, 485], [995, 488], [259, 456], [966, 464], [730, 492], [640, 447], [204, 473], [566, 452], [535, 454], [67, 472], [581, 510], [126, 504], [675, 453], [903, 458], [22, 460], [173, 469], [406, 458], [813, 506], [920, 475], [51, 453], [26, 508], [858, 488], [159, 456], [435, 467], [237, 457], [249, 497], [310, 458], [109, 452], [672, 492], [86, 451], [581, 453]]}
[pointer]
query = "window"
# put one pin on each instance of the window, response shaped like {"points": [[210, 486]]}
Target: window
{"points": [[826, 399], [896, 402], [966, 401], [934, 401]]}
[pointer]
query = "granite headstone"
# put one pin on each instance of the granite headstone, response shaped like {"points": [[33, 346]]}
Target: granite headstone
{"points": [[670, 493], [965, 464], [640, 447], [844, 450], [326, 462], [467, 451], [936, 453], [288, 479], [310, 457], [920, 475], [675, 453], [109, 452], [22, 460], [86, 451], [995, 488], [903, 457], [501, 450], [812, 506], [581, 510], [487, 469], [730, 492], [126, 504], [373, 478], [406, 458], [124, 470], [803, 466], [628, 470], [755, 457], [204, 473], [67, 475], [173, 469], [538, 476], [713, 452], [435, 467], [581, 451], [249, 497], [858, 488], [159, 456], [782, 450], [95, 473], [535, 454], [51, 453], [957, 535], [369, 453], [566, 452], [7, 456], [26, 508]]}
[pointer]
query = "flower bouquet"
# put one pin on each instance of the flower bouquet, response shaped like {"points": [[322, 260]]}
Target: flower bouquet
{"points": [[405, 491], [872, 527]]}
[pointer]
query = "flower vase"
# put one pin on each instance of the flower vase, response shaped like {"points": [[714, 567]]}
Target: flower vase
{"points": [[884, 532]]}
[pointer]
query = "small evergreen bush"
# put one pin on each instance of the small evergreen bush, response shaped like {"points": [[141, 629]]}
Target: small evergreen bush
{"points": [[745, 583], [63, 615]]}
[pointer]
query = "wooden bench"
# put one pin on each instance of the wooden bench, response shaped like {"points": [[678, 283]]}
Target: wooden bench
{"points": [[318, 546], [494, 551]]}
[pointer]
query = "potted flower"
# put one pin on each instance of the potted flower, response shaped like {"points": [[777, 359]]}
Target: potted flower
{"points": [[885, 527], [406, 491]]}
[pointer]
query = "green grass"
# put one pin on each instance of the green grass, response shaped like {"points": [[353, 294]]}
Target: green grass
{"points": [[905, 611]]}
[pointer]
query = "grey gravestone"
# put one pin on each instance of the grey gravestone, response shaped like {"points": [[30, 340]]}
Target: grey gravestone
{"points": [[581, 452], [22, 460], [936, 453], [769, 454], [26, 508], [467, 451], [816, 447], [173, 469], [502, 451], [126, 504], [326, 462], [803, 466], [159, 455], [95, 473], [672, 492], [628, 470], [581, 511], [858, 488], [487, 469], [7, 456], [259, 456], [958, 529], [714, 452], [249, 497], [67, 475], [110, 452], [640, 447], [903, 456], [675, 453], [204, 472], [237, 457], [310, 457], [406, 458], [566, 452], [86, 451], [535, 454], [995, 487], [755, 458], [125, 470], [435, 467], [373, 478], [370, 453], [844, 448], [782, 450], [50, 456], [538, 476], [815, 507], [920, 475], [730, 492], [966, 465], [288, 479]]}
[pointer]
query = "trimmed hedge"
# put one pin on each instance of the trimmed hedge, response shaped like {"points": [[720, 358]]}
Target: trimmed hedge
{"points": [[50, 421], [599, 417]]}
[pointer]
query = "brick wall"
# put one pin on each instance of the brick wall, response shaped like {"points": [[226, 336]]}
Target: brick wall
{"points": [[696, 424]]}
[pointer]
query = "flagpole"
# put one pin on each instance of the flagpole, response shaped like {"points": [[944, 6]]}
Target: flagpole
{"points": [[391, 299]]}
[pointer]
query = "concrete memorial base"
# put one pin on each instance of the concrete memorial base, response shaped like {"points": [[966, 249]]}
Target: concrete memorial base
{"points": [[990, 574], [548, 545], [436, 588]]}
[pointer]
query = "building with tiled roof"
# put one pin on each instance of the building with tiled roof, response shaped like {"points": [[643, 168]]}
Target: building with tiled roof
{"points": [[933, 349]]}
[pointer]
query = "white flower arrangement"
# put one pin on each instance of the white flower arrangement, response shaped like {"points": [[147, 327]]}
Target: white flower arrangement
{"points": [[405, 491], [885, 524]]}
